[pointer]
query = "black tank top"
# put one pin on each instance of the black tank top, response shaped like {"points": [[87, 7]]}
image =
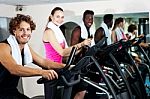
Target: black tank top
{"points": [[8, 82]]}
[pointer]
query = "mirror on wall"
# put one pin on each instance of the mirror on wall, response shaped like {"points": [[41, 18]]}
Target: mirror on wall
{"points": [[67, 29], [141, 19], [4, 33]]}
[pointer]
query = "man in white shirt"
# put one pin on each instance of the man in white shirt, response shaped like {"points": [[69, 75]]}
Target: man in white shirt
{"points": [[106, 25]]}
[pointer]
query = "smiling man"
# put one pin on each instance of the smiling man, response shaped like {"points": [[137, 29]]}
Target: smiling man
{"points": [[80, 33], [85, 29], [15, 53]]}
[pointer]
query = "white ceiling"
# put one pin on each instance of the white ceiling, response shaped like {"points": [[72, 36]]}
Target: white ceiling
{"points": [[37, 2]]}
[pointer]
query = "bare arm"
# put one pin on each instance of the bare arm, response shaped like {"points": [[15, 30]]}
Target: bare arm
{"points": [[145, 45], [113, 36], [50, 37], [10, 64]]}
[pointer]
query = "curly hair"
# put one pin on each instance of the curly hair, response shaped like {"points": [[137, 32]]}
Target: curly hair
{"points": [[15, 22]]}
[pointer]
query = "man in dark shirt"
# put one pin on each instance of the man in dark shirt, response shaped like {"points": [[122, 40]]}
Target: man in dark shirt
{"points": [[83, 31], [15, 53]]}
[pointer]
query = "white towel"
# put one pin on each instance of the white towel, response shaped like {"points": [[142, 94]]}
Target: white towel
{"points": [[58, 33], [107, 33], [84, 32], [131, 35], [16, 53]]}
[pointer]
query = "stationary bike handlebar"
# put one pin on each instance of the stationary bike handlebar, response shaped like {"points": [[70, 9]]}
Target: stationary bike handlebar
{"points": [[133, 42], [64, 73], [71, 83]]}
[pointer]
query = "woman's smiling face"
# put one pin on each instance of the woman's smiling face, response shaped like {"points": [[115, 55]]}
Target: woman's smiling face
{"points": [[58, 17]]}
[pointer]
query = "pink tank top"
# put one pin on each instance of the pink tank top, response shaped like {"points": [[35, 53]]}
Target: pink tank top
{"points": [[52, 54]]}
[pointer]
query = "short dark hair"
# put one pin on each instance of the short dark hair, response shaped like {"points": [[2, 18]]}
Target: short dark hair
{"points": [[87, 12], [132, 27], [107, 17]]}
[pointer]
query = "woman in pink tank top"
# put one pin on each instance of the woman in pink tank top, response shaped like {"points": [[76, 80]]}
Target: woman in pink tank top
{"points": [[55, 43], [54, 40], [51, 53]]}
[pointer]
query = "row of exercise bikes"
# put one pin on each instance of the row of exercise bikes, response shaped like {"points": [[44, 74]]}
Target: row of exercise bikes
{"points": [[110, 71]]}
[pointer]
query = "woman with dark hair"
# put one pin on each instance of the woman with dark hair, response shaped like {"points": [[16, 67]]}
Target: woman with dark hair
{"points": [[117, 31], [132, 32], [55, 43]]}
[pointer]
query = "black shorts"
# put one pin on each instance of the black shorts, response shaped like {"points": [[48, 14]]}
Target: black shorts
{"points": [[79, 87], [13, 95]]}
